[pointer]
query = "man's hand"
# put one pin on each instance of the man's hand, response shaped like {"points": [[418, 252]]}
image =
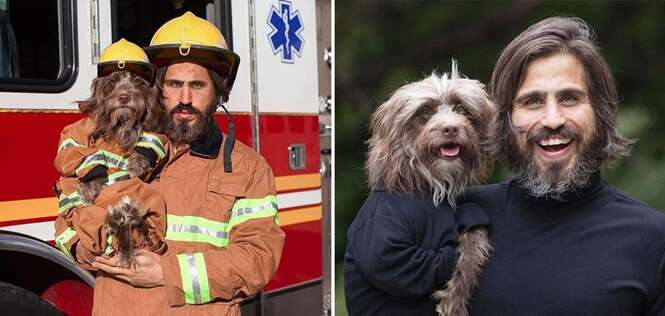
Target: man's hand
{"points": [[146, 272]]}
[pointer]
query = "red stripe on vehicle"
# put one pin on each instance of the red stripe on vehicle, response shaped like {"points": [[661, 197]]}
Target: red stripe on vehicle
{"points": [[28, 146], [278, 132], [29, 142], [301, 259]]}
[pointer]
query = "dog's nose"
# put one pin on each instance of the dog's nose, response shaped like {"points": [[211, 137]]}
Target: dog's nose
{"points": [[123, 98], [450, 131]]}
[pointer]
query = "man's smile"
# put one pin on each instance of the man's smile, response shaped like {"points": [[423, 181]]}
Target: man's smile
{"points": [[554, 148]]}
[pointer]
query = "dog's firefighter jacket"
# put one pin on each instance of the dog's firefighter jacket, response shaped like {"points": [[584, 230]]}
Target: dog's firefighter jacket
{"points": [[81, 232], [224, 240]]}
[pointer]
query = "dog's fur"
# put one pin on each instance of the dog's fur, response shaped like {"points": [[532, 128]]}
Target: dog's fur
{"points": [[119, 121], [123, 105], [406, 155], [126, 222], [474, 249], [407, 137]]}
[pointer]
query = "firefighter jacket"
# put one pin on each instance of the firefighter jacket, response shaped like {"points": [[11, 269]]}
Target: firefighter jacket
{"points": [[82, 226], [224, 241]]}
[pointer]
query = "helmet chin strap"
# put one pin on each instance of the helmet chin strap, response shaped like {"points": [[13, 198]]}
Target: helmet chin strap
{"points": [[230, 140]]}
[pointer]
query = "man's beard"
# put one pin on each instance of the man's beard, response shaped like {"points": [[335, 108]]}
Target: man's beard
{"points": [[180, 132], [554, 180]]}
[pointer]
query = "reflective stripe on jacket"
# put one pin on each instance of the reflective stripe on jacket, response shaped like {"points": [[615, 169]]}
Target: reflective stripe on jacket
{"points": [[224, 242]]}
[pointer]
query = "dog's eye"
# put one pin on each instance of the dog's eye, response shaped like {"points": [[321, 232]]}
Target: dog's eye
{"points": [[138, 80], [425, 111], [108, 88], [459, 109]]}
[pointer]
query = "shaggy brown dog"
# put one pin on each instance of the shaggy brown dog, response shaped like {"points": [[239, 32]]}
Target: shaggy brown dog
{"points": [[123, 105], [428, 140]]}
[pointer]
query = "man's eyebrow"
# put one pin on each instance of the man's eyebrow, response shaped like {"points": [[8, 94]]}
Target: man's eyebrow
{"points": [[201, 82], [569, 91], [173, 80], [529, 95]]}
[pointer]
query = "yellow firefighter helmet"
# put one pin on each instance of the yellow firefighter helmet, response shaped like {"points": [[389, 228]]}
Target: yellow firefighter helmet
{"points": [[189, 37], [125, 55]]}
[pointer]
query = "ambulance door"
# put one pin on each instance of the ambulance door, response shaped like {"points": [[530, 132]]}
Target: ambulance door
{"points": [[285, 101]]}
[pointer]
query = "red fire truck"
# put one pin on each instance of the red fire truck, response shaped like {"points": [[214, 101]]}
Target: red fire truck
{"points": [[48, 55]]}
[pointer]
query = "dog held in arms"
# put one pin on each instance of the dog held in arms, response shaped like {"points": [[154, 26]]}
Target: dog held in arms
{"points": [[428, 139], [123, 105]]}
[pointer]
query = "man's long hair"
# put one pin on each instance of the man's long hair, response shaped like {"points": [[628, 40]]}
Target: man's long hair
{"points": [[551, 36]]}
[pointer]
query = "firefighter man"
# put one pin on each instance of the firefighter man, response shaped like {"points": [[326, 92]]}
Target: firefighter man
{"points": [[224, 241]]}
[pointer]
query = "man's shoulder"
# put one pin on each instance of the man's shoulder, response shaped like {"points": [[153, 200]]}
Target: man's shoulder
{"points": [[631, 208], [244, 159], [247, 155]]}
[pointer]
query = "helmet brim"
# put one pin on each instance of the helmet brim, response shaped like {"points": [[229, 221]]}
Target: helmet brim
{"points": [[222, 61], [143, 70]]}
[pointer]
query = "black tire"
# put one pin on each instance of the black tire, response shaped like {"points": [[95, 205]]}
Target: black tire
{"points": [[16, 301]]}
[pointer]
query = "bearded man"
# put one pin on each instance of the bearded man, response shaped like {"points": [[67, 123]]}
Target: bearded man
{"points": [[224, 241], [565, 242]]}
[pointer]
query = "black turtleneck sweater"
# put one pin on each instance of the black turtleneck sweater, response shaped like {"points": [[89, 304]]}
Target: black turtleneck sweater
{"points": [[599, 253]]}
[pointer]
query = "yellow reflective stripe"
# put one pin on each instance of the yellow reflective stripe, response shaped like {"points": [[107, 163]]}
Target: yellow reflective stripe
{"points": [[62, 240], [117, 176], [183, 263], [193, 237], [104, 158], [66, 202], [199, 229], [194, 278], [246, 209], [196, 229], [69, 142], [202, 274], [153, 142]]}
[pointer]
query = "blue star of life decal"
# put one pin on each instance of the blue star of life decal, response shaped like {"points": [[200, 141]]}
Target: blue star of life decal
{"points": [[285, 37]]}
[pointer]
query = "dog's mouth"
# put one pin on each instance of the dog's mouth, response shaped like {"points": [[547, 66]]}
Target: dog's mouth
{"points": [[125, 107], [450, 151]]}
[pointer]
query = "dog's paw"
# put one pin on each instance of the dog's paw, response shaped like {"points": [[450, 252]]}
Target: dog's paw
{"points": [[88, 191], [123, 221], [126, 213], [137, 165]]}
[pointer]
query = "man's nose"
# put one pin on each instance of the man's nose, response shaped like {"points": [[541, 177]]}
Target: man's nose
{"points": [[185, 95], [553, 118]]}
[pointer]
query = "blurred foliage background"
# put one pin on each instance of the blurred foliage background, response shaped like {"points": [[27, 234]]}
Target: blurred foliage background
{"points": [[380, 46]]}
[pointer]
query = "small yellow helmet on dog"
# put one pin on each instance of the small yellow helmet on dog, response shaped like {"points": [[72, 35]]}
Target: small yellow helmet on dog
{"points": [[125, 55], [189, 37]]}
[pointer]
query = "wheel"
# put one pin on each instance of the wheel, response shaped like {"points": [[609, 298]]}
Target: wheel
{"points": [[16, 301]]}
